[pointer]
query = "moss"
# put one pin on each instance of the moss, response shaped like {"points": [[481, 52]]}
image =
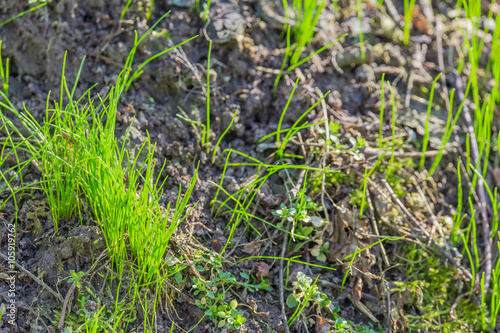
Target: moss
{"points": [[434, 285]]}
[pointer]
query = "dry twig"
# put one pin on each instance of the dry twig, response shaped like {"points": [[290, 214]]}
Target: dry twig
{"points": [[417, 224], [65, 305], [37, 280]]}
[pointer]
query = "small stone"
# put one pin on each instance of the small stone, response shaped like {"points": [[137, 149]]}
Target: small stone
{"points": [[365, 73], [66, 250], [260, 269], [217, 245]]}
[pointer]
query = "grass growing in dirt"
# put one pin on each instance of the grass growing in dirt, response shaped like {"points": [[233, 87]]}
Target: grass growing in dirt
{"points": [[85, 167], [329, 216]]}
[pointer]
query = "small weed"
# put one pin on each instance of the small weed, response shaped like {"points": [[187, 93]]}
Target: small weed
{"points": [[212, 299], [296, 127], [206, 9], [212, 296], [306, 17], [302, 211], [305, 293], [347, 326], [91, 315], [76, 278], [361, 37]]}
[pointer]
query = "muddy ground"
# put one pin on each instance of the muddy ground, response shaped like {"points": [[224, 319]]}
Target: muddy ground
{"points": [[247, 51]]}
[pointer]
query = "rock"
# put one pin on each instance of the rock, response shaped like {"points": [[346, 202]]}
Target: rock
{"points": [[85, 239], [226, 22], [260, 270], [365, 73], [255, 101], [279, 325], [50, 264], [66, 250], [352, 57], [181, 3]]}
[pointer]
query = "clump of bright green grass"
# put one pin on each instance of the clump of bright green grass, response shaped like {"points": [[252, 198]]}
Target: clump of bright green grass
{"points": [[307, 13], [83, 164]]}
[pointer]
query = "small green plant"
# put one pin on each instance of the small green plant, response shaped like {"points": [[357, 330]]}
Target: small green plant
{"points": [[207, 127], [76, 278], [409, 6], [342, 325], [362, 191], [393, 123], [91, 316], [426, 135], [448, 131], [381, 119], [4, 72], [332, 136], [307, 14], [204, 136], [356, 143], [206, 10], [40, 5], [222, 136], [302, 211], [212, 295], [305, 293], [361, 37], [212, 300], [320, 250], [124, 10]]}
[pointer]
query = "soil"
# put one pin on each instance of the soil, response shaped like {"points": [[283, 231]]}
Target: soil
{"points": [[247, 50]]}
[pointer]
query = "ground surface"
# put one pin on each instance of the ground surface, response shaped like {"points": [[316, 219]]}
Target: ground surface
{"points": [[247, 52]]}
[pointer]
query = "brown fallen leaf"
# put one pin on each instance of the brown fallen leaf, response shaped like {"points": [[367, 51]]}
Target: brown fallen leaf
{"points": [[322, 325], [252, 248], [419, 21]]}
